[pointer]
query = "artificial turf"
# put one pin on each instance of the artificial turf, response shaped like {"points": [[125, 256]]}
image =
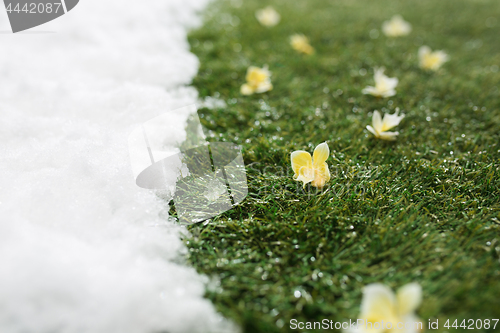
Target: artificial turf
{"points": [[425, 208]]}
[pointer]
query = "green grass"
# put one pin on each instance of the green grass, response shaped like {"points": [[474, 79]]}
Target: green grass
{"points": [[425, 208]]}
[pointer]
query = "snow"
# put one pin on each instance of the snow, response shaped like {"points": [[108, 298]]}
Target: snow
{"points": [[82, 248]]}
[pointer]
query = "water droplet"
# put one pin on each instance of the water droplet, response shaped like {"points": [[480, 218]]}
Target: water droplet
{"points": [[374, 34], [237, 47], [491, 22]]}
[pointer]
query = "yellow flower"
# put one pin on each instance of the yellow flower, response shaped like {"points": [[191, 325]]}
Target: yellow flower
{"points": [[380, 126], [396, 27], [384, 85], [431, 60], [301, 44], [268, 16], [380, 304], [258, 81], [311, 170]]}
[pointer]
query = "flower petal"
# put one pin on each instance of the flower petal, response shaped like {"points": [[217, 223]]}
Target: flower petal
{"points": [[305, 175], [442, 56], [377, 121], [264, 86], [379, 75], [384, 85], [387, 28], [378, 304], [251, 71], [423, 51], [369, 90], [391, 82], [246, 89], [391, 120], [265, 70], [268, 16], [439, 58], [388, 136], [321, 175], [371, 129], [320, 154], [409, 298], [389, 93], [397, 26], [300, 159]]}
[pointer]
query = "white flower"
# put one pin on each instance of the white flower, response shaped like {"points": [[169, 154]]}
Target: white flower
{"points": [[313, 169], [431, 60], [384, 86], [396, 27], [380, 126], [300, 43], [268, 16], [380, 304], [258, 81]]}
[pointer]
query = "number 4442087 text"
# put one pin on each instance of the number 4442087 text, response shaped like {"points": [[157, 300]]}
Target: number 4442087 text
{"points": [[472, 324], [35, 8]]}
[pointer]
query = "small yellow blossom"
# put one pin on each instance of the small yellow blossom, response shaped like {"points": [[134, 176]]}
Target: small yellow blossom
{"points": [[311, 170], [268, 16], [382, 310], [384, 85], [396, 27], [301, 44], [431, 60], [258, 81], [380, 127]]}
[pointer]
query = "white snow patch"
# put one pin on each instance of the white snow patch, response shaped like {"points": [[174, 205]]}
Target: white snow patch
{"points": [[82, 248]]}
